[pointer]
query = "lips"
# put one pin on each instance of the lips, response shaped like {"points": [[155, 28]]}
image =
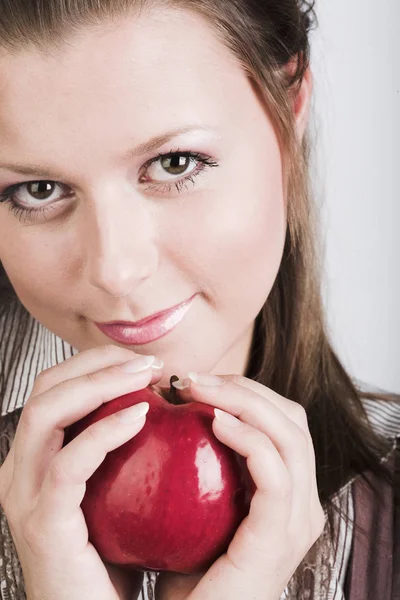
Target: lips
{"points": [[146, 330]]}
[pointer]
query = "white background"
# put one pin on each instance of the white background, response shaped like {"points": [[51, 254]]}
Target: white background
{"points": [[355, 60]]}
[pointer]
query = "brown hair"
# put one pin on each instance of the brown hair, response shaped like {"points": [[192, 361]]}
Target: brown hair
{"points": [[291, 352]]}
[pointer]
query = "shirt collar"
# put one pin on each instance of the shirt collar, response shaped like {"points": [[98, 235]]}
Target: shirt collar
{"points": [[40, 350]]}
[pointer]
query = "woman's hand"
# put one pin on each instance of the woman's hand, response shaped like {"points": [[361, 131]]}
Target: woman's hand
{"points": [[42, 483], [285, 517]]}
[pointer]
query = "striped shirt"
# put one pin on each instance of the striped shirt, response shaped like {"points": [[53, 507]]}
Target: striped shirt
{"points": [[43, 349]]}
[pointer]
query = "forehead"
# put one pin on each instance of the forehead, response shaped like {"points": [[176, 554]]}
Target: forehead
{"points": [[137, 65], [80, 110]]}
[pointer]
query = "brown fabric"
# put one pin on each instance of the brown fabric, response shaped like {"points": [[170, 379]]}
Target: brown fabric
{"points": [[396, 527], [373, 572], [12, 585]]}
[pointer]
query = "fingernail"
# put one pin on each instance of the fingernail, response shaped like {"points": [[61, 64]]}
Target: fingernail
{"points": [[226, 418], [181, 384], [137, 364], [133, 413], [205, 379], [157, 364]]}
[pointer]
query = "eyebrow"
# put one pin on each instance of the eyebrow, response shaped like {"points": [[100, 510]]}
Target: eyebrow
{"points": [[138, 151]]}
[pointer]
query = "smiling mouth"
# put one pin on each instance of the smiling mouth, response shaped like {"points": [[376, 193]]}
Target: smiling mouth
{"points": [[149, 331]]}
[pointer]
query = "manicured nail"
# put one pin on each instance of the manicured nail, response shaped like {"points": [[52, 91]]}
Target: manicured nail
{"points": [[205, 379], [133, 413], [226, 419], [137, 364], [181, 384], [157, 364]]}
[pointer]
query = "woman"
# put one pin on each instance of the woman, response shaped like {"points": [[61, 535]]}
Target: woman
{"points": [[154, 155]]}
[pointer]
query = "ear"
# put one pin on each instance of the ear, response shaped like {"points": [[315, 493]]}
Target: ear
{"points": [[301, 98]]}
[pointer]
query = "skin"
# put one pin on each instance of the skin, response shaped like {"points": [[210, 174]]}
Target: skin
{"points": [[118, 248]]}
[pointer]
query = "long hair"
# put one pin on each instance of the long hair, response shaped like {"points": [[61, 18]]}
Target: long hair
{"points": [[291, 352]]}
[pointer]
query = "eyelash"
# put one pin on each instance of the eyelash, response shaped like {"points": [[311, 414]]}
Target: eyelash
{"points": [[7, 196]]}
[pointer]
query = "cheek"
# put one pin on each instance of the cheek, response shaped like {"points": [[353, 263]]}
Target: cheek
{"points": [[248, 249], [251, 230], [37, 273], [244, 230], [237, 239]]}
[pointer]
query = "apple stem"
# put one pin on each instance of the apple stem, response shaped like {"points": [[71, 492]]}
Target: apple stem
{"points": [[173, 394]]}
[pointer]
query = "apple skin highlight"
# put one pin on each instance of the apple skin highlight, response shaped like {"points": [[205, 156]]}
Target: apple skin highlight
{"points": [[172, 497]]}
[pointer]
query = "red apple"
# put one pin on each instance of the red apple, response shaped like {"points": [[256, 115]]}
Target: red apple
{"points": [[172, 497]]}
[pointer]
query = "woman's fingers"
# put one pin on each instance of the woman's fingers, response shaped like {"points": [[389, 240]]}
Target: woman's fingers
{"points": [[46, 415], [64, 487], [289, 435], [257, 404], [280, 508], [272, 476], [291, 409], [294, 411], [87, 361]]}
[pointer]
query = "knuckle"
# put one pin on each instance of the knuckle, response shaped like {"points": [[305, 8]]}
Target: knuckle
{"points": [[40, 383], [95, 433], [257, 441], [94, 377], [32, 533], [301, 442], [31, 412], [95, 384], [113, 371], [99, 437], [238, 379], [282, 488], [299, 414], [57, 474], [110, 349], [283, 491]]}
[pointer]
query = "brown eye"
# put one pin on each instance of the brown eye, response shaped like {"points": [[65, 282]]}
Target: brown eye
{"points": [[40, 190], [175, 168], [178, 165]]}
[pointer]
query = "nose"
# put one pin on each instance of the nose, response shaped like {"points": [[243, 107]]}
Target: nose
{"points": [[120, 251]]}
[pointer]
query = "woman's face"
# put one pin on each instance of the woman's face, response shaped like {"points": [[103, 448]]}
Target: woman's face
{"points": [[112, 236]]}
